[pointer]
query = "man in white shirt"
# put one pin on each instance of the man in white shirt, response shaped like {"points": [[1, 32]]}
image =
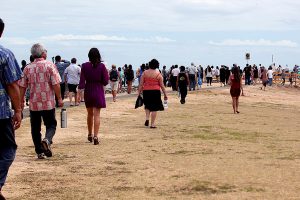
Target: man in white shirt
{"points": [[72, 77], [175, 73]]}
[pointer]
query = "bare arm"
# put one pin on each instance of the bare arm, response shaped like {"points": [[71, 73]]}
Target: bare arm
{"points": [[162, 86], [57, 94], [14, 94], [141, 84]]}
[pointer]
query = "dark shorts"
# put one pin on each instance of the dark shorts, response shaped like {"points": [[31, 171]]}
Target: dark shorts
{"points": [[72, 88], [235, 92], [152, 100]]}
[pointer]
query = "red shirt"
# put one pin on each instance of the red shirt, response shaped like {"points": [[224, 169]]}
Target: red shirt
{"points": [[151, 83], [235, 84]]}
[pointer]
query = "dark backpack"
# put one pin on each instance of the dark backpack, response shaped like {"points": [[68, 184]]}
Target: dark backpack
{"points": [[113, 75]]}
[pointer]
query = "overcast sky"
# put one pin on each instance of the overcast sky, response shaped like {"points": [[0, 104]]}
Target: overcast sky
{"points": [[205, 32]]}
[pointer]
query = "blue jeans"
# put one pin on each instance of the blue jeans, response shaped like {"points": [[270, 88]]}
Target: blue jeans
{"points": [[7, 156], [270, 81], [36, 123], [248, 80]]}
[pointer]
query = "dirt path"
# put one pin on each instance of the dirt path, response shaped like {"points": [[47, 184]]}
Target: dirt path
{"points": [[199, 151]]}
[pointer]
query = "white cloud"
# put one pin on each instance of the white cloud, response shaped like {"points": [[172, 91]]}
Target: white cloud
{"points": [[61, 37], [261, 43], [87, 38]]}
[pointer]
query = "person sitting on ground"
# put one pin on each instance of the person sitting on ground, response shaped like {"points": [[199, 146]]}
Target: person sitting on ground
{"points": [[114, 78], [182, 83], [72, 77]]}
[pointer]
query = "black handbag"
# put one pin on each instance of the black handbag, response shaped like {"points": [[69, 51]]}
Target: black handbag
{"points": [[139, 102]]}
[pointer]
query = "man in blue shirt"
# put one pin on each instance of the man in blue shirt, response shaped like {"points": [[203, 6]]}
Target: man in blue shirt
{"points": [[10, 73], [61, 67]]}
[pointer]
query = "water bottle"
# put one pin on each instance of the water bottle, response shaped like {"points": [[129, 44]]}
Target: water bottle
{"points": [[63, 118], [165, 104]]}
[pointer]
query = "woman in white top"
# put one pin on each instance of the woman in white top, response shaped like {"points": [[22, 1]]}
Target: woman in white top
{"points": [[270, 75]]}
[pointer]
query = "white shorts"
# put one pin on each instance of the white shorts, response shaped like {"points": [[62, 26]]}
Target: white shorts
{"points": [[114, 85]]}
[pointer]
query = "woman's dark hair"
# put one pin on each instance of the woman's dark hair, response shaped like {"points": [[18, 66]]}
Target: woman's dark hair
{"points": [[143, 67], [153, 64], [94, 57], [208, 69], [119, 69], [182, 68], [236, 74], [130, 67]]}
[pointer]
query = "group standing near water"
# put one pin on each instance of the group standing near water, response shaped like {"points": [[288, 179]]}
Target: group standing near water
{"points": [[43, 83]]}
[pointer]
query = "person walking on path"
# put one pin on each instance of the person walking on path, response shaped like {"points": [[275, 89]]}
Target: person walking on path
{"points": [[270, 76], [114, 78], [151, 84], [72, 77], [129, 78], [93, 78], [43, 79], [61, 67], [9, 121], [182, 83], [264, 78], [209, 75], [192, 71], [235, 83]]}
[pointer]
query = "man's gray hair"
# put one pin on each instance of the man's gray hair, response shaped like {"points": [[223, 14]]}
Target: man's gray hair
{"points": [[37, 50]]}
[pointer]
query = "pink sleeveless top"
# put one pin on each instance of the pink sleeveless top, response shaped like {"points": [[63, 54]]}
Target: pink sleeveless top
{"points": [[151, 83]]}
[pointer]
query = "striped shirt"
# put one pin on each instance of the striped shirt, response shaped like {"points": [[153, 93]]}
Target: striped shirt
{"points": [[10, 72]]}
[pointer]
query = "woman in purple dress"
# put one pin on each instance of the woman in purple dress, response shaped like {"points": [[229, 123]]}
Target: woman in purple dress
{"points": [[93, 78]]}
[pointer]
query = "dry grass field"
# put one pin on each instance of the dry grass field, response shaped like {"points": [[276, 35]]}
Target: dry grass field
{"points": [[200, 150]]}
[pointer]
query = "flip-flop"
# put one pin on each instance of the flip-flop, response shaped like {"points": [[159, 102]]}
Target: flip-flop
{"points": [[153, 127]]}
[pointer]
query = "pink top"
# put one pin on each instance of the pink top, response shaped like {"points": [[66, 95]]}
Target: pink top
{"points": [[151, 83], [40, 76]]}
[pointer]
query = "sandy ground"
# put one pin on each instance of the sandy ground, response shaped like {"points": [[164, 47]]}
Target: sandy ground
{"points": [[200, 150]]}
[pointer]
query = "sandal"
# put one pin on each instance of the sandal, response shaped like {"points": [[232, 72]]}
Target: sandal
{"points": [[90, 138], [96, 141], [153, 127], [147, 123]]}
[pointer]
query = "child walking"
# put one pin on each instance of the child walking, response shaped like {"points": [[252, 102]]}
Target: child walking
{"points": [[182, 83]]}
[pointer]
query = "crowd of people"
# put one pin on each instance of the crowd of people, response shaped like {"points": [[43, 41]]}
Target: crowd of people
{"points": [[41, 85]]}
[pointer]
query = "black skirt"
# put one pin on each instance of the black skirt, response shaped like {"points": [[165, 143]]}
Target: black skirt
{"points": [[152, 100]]}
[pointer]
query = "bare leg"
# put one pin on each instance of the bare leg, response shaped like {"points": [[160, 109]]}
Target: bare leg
{"points": [[70, 97], [233, 104], [237, 104], [90, 119], [153, 117], [147, 114], [96, 121]]}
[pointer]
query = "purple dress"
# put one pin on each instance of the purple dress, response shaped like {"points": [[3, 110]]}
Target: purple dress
{"points": [[93, 80]]}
